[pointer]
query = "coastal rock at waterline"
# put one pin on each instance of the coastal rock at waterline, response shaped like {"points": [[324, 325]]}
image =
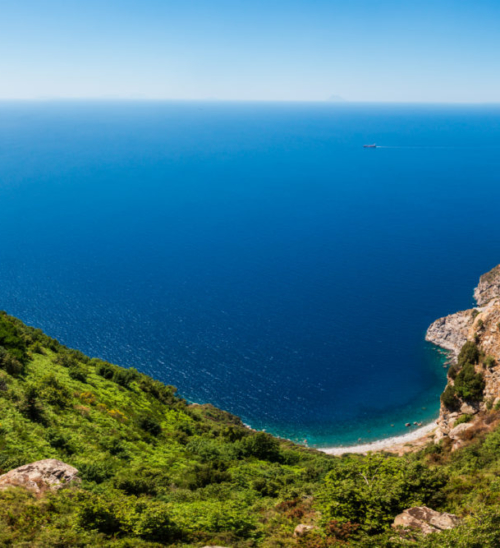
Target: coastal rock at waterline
{"points": [[481, 325], [302, 529], [488, 287], [40, 476], [451, 331], [425, 520]]}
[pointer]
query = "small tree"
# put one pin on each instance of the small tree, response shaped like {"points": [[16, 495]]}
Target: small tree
{"points": [[468, 354], [489, 362], [449, 398], [469, 385]]}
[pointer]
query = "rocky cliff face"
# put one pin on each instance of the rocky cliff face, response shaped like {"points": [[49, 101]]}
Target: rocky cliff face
{"points": [[451, 332], [488, 287], [481, 325]]}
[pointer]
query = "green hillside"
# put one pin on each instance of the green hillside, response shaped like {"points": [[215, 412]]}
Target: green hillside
{"points": [[156, 471]]}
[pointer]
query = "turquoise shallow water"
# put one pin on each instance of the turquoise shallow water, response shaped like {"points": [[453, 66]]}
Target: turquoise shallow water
{"points": [[254, 255]]}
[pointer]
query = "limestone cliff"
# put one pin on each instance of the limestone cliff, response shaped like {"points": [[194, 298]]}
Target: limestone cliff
{"points": [[481, 325], [488, 287]]}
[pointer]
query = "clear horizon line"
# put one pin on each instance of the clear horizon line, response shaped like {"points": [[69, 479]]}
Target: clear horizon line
{"points": [[344, 102]]}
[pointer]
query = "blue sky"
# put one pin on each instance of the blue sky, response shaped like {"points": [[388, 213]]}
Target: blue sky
{"points": [[295, 50]]}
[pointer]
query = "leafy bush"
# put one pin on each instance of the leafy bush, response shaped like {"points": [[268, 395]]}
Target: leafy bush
{"points": [[78, 373], [469, 385], [105, 370], [141, 517], [161, 392], [11, 338], [142, 481], [214, 516], [489, 362], [124, 377], [66, 360], [114, 445], [58, 440], [262, 446], [31, 406], [469, 353], [53, 392], [10, 364], [99, 513], [210, 473], [449, 398], [463, 419], [149, 425], [38, 349], [371, 491], [97, 472]]}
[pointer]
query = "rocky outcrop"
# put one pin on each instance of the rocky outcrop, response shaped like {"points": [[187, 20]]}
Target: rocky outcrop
{"points": [[452, 331], [481, 325], [302, 529], [40, 476], [488, 287], [425, 520]]}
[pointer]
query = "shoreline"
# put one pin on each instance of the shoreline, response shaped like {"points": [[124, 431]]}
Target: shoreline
{"points": [[389, 444]]}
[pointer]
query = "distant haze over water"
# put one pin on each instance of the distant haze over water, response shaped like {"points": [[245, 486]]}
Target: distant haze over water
{"points": [[254, 255]]}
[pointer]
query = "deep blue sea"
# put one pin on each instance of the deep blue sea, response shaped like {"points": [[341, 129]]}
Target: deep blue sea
{"points": [[254, 255]]}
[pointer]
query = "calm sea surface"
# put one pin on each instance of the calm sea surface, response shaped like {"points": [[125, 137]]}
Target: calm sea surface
{"points": [[254, 255]]}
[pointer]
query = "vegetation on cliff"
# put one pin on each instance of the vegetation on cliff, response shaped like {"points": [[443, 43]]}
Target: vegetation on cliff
{"points": [[468, 384], [156, 471]]}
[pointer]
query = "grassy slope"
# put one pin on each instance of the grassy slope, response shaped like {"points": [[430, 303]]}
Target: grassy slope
{"points": [[156, 471]]}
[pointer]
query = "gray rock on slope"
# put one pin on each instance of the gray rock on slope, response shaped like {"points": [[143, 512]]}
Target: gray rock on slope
{"points": [[302, 529], [451, 331], [425, 520], [40, 476], [488, 287]]}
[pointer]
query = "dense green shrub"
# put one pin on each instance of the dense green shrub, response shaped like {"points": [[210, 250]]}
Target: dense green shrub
{"points": [[149, 425], [58, 440], [66, 360], [53, 391], [211, 473], [138, 517], [10, 364], [125, 377], [371, 491], [78, 373], [449, 398], [266, 487], [31, 406], [100, 514], [11, 338], [262, 446], [469, 385], [463, 419], [97, 471], [37, 348], [469, 353], [114, 445], [105, 370], [489, 362], [142, 480], [161, 392]]}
